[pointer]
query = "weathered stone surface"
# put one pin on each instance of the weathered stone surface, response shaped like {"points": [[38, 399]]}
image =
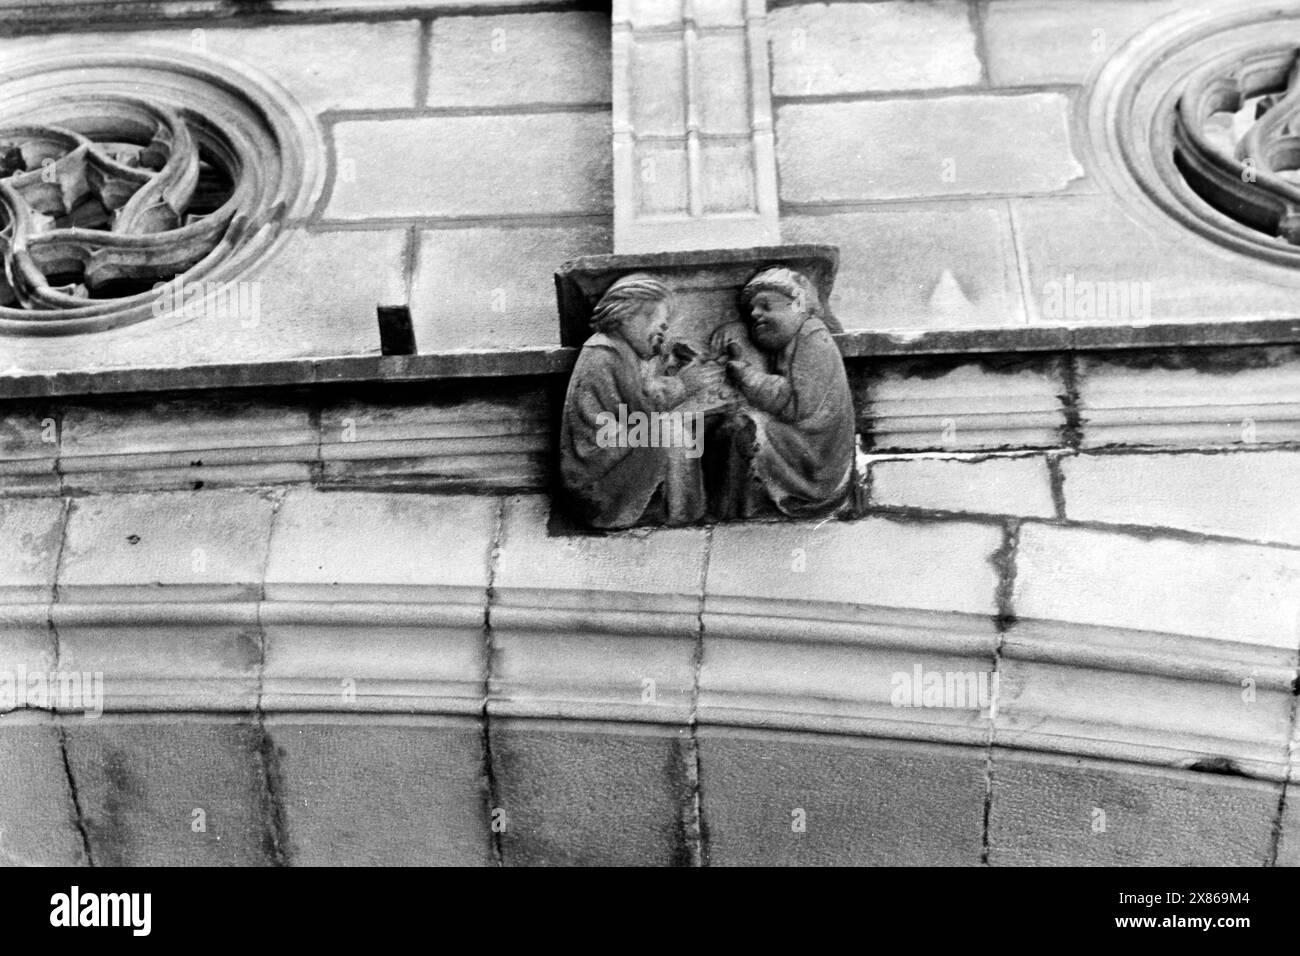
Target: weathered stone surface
{"points": [[820, 48], [647, 568], [26, 642], [919, 268], [29, 445], [334, 312], [373, 658], [591, 794], [1238, 494], [1160, 701], [1288, 846], [426, 437], [395, 586], [50, 12], [493, 287], [708, 13], [807, 625], [1002, 485], [310, 303], [1088, 260], [1039, 42], [1234, 592], [805, 800], [594, 626], [922, 565], [382, 791], [38, 821], [325, 66], [140, 782], [164, 657], [539, 58], [970, 405], [952, 146], [524, 165], [1240, 397], [167, 546], [157, 594], [360, 546], [186, 443], [31, 535], [1045, 812]]}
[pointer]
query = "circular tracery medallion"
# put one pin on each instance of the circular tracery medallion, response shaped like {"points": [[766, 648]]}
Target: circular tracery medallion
{"points": [[1198, 119], [121, 173]]}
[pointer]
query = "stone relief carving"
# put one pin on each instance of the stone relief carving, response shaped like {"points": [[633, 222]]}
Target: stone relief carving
{"points": [[788, 443], [757, 420]]}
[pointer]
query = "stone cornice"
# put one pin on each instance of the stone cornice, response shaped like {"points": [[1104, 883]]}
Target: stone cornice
{"points": [[30, 16], [483, 422], [554, 360]]}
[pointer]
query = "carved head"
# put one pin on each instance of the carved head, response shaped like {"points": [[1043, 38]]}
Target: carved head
{"points": [[777, 302], [638, 308]]}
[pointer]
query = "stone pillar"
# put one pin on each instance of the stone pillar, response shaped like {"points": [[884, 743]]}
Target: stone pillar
{"points": [[694, 161]]}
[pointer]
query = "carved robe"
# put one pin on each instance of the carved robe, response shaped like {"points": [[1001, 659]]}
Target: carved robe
{"points": [[792, 446], [611, 484]]}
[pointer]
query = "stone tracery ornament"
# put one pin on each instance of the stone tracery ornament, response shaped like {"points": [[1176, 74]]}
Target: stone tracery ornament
{"points": [[122, 171], [1237, 141], [133, 200], [1196, 122]]}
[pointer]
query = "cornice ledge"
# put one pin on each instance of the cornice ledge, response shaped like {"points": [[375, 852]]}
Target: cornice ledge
{"points": [[553, 360], [33, 16], [852, 625]]}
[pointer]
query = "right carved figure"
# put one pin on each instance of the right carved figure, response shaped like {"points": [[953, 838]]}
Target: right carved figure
{"points": [[789, 445]]}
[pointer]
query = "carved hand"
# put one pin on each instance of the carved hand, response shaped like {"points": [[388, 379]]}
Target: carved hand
{"points": [[726, 336], [699, 377]]}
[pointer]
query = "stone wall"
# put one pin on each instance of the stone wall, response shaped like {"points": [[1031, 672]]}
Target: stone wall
{"points": [[340, 621]]}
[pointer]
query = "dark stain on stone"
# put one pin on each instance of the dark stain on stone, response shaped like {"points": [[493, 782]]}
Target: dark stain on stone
{"points": [[248, 8], [683, 793], [275, 844], [929, 367], [1219, 765], [110, 831], [39, 545], [132, 539], [1214, 361]]}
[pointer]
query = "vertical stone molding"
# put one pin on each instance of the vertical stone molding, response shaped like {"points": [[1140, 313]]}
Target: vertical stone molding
{"points": [[694, 163]]}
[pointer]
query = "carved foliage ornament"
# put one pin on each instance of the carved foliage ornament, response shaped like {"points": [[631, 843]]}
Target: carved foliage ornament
{"points": [[106, 192]]}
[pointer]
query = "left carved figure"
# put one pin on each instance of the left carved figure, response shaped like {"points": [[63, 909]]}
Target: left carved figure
{"points": [[625, 457]]}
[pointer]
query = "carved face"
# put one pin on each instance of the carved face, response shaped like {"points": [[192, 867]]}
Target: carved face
{"points": [[773, 319], [646, 329]]}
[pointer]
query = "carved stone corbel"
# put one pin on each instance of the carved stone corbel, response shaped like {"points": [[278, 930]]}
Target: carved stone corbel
{"points": [[708, 386]]}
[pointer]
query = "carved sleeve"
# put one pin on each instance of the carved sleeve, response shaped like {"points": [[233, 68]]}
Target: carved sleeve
{"points": [[770, 393]]}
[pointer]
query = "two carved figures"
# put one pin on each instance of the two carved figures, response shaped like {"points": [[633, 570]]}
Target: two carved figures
{"points": [[759, 421]]}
